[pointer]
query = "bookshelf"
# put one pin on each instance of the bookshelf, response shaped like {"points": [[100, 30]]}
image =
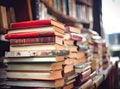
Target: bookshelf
{"points": [[26, 13]]}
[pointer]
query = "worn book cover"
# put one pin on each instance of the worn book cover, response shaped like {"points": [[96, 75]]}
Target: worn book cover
{"points": [[36, 23]]}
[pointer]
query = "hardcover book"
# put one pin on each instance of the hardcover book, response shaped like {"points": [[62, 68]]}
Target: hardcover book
{"points": [[34, 32], [41, 40], [49, 46], [36, 59], [41, 83], [36, 66], [34, 74], [72, 29], [73, 36], [36, 23], [33, 53]]}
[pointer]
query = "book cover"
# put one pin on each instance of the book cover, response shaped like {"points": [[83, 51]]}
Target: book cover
{"points": [[36, 23], [41, 40]]}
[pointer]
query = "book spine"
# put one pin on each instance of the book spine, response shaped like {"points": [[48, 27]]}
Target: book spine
{"points": [[29, 34], [32, 40], [36, 53]]}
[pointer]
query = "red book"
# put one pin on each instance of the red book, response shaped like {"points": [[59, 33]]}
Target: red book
{"points": [[41, 40], [34, 32], [36, 23]]}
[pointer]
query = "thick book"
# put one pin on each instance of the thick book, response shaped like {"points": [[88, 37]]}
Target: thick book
{"points": [[68, 42], [79, 68], [36, 23], [77, 55], [87, 84], [41, 40], [85, 73], [72, 29], [41, 83], [80, 61], [50, 46], [34, 32], [34, 74], [3, 17], [69, 86], [36, 66], [73, 36], [33, 53], [36, 59]]}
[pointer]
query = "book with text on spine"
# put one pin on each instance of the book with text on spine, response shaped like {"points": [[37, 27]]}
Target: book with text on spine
{"points": [[33, 53]]}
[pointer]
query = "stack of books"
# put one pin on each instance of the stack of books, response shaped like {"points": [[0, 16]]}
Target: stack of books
{"points": [[73, 41], [37, 54], [105, 55]]}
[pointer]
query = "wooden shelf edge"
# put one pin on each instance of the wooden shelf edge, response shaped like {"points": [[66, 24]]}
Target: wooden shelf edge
{"points": [[61, 17], [85, 2]]}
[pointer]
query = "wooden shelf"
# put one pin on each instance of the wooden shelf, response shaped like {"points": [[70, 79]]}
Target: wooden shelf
{"points": [[85, 2], [61, 17]]}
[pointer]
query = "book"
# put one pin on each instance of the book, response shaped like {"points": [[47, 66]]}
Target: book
{"points": [[68, 68], [69, 86], [68, 42], [36, 23], [36, 66], [79, 61], [41, 40], [50, 46], [79, 68], [34, 74], [41, 83], [77, 55], [32, 53], [3, 17], [85, 73], [36, 59], [34, 32], [87, 84], [72, 29], [71, 48], [73, 36]]}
